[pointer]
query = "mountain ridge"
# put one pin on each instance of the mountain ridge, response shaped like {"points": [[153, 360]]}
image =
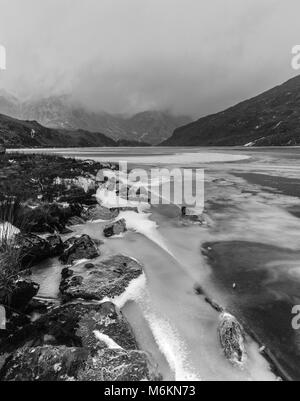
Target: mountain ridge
{"points": [[16, 133], [270, 119], [60, 112]]}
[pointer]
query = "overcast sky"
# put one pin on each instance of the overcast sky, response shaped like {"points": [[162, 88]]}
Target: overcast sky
{"points": [[189, 56]]}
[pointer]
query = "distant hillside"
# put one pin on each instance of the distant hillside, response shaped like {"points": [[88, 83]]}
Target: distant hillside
{"points": [[20, 134], [270, 119], [59, 112]]}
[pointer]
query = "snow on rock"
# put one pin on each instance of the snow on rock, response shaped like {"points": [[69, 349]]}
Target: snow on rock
{"points": [[232, 338]]}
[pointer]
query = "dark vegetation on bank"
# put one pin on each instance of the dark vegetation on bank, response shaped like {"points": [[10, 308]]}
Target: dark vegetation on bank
{"points": [[39, 194], [27, 176], [53, 339]]}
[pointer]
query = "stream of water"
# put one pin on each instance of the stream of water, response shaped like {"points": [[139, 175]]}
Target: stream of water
{"points": [[245, 221]]}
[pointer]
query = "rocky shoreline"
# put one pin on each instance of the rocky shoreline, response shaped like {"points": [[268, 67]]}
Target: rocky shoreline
{"points": [[86, 337], [83, 335]]}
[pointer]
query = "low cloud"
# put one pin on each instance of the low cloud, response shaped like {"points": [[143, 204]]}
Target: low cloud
{"points": [[189, 56]]}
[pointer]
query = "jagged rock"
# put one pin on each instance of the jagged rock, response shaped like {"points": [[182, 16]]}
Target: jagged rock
{"points": [[32, 249], [73, 325], [39, 306], [22, 293], [75, 342], [44, 364], [56, 245], [15, 299], [66, 273], [119, 365], [61, 363], [190, 216], [89, 266], [101, 213], [108, 278], [14, 322], [232, 337], [77, 248], [116, 228]]}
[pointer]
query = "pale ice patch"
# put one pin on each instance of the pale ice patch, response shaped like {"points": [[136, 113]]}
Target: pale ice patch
{"points": [[168, 340], [109, 342], [131, 293], [257, 366], [166, 336], [141, 223], [81, 261], [172, 346], [97, 221], [178, 158]]}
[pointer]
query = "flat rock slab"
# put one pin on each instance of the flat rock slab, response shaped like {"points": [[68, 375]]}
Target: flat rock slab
{"points": [[107, 279]]}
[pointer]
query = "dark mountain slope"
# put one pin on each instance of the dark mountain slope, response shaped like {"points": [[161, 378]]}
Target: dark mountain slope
{"points": [[19, 134], [270, 119]]}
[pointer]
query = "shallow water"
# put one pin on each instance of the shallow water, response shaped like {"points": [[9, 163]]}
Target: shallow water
{"points": [[48, 275], [171, 315]]}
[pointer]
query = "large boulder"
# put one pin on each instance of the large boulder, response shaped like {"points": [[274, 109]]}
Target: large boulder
{"points": [[101, 213], [61, 363], [77, 248], [32, 249], [74, 325], [232, 338], [19, 294], [75, 342], [56, 245], [115, 228], [44, 364], [107, 279], [15, 299], [22, 294]]}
